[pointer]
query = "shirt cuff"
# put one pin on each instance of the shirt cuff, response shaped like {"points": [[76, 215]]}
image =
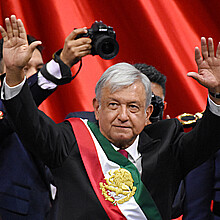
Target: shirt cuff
{"points": [[53, 68], [213, 107], [9, 92]]}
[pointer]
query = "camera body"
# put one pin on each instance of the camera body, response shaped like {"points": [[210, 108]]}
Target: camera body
{"points": [[103, 39], [158, 105]]}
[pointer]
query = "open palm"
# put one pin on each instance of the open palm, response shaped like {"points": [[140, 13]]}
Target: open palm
{"points": [[208, 66], [16, 51]]}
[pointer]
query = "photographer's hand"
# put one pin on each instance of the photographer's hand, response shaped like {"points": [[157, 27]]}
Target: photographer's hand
{"points": [[73, 49]]}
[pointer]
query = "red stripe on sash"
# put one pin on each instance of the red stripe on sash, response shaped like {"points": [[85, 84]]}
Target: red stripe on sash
{"points": [[93, 168]]}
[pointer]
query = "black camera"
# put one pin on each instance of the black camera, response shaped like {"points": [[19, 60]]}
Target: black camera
{"points": [[104, 41], [158, 105]]}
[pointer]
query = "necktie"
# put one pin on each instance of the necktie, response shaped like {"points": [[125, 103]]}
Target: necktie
{"points": [[123, 152]]}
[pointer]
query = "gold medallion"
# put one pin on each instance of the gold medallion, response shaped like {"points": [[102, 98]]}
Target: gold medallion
{"points": [[119, 186]]}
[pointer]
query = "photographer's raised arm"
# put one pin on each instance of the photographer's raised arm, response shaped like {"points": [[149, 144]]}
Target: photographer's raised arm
{"points": [[73, 49], [208, 68]]}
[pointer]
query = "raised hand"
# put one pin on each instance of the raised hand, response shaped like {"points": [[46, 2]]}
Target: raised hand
{"points": [[208, 66], [16, 51]]}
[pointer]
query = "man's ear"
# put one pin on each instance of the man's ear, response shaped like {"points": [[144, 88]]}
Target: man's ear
{"points": [[149, 111], [96, 106]]}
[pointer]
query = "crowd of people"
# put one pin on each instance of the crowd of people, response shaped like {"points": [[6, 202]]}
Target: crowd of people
{"points": [[121, 161]]}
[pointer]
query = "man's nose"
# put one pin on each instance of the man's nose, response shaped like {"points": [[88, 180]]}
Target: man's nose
{"points": [[123, 113]]}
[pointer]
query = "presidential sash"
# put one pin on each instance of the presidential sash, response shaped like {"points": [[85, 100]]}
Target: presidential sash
{"points": [[115, 180]]}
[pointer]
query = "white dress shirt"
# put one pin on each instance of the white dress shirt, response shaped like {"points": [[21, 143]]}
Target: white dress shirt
{"points": [[133, 155]]}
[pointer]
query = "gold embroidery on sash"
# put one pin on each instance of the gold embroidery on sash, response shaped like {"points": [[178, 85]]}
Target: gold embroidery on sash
{"points": [[119, 187]]}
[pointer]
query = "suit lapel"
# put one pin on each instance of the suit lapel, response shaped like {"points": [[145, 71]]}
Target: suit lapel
{"points": [[149, 149]]}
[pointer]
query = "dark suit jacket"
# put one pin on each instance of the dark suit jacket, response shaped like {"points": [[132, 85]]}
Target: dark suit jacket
{"points": [[202, 186], [84, 115], [168, 154], [199, 185], [24, 183]]}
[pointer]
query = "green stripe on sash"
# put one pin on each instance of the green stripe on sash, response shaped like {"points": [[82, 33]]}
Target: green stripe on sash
{"points": [[142, 196]]}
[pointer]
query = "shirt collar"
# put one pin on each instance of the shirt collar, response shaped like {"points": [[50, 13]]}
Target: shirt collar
{"points": [[132, 150]]}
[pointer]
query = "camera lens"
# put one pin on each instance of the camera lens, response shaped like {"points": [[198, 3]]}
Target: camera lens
{"points": [[106, 47], [158, 105]]}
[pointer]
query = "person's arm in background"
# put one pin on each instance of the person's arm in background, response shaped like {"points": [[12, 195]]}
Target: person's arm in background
{"points": [[57, 71]]}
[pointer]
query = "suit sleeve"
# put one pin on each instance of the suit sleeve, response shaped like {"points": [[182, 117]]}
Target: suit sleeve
{"points": [[198, 145], [47, 140], [84, 115], [199, 191], [5, 126], [38, 93], [42, 87], [186, 151]]}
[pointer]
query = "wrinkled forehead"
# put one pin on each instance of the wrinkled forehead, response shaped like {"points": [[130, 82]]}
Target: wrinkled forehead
{"points": [[129, 93], [115, 87]]}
